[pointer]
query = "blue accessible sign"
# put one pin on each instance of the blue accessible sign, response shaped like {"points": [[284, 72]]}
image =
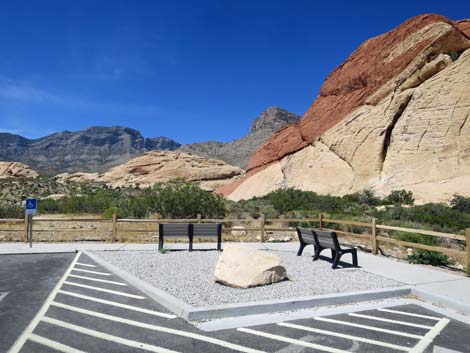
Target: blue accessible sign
{"points": [[30, 206]]}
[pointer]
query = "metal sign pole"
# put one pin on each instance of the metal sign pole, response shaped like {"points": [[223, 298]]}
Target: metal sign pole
{"points": [[30, 222]]}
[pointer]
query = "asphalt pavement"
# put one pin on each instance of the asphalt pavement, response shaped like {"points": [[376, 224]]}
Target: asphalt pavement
{"points": [[86, 308]]}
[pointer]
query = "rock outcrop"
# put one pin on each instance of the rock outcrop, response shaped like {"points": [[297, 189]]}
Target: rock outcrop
{"points": [[161, 166], [94, 149], [239, 151], [16, 170], [243, 267], [392, 116]]}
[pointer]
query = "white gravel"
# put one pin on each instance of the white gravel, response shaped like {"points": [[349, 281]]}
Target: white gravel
{"points": [[189, 277]]}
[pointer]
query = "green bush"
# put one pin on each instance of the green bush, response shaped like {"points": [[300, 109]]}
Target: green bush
{"points": [[11, 212], [426, 257], [109, 212], [399, 197], [460, 203]]}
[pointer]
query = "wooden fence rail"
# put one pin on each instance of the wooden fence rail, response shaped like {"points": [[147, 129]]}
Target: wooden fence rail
{"points": [[262, 225]]}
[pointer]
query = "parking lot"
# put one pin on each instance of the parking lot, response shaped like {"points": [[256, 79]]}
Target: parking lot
{"points": [[92, 310]]}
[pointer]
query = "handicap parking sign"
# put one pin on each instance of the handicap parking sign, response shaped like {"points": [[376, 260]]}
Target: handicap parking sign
{"points": [[30, 206]]}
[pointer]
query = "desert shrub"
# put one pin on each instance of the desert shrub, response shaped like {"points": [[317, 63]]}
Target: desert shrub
{"points": [[366, 197], [180, 199], [426, 257], [109, 212], [11, 212], [460, 203], [399, 197]]}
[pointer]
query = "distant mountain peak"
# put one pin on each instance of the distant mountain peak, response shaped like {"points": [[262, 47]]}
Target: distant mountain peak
{"points": [[273, 118]]}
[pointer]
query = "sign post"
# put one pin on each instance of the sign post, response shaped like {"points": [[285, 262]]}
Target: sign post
{"points": [[30, 210]]}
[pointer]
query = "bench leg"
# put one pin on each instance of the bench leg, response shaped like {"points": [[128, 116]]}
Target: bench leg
{"points": [[336, 260], [333, 253], [219, 243], [160, 243], [190, 243], [354, 256], [301, 249], [318, 250]]}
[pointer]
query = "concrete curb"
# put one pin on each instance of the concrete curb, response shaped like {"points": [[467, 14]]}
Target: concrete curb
{"points": [[170, 302], [191, 313], [441, 300]]}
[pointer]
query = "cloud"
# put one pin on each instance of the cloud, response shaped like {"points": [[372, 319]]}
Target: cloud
{"points": [[33, 95]]}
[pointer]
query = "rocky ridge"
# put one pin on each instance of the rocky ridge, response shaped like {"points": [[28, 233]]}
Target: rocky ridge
{"points": [[392, 116], [90, 150], [161, 166], [16, 170], [239, 151]]}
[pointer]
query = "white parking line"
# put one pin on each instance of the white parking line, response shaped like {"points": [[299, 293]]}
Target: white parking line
{"points": [[99, 280], [94, 272], [390, 321], [120, 305], [53, 344], [32, 325], [158, 328], [292, 341], [429, 337], [410, 314], [107, 337], [342, 335], [373, 328], [104, 290], [86, 265]]}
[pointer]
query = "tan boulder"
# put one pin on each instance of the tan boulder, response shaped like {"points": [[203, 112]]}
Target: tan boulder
{"points": [[16, 170], [243, 267]]}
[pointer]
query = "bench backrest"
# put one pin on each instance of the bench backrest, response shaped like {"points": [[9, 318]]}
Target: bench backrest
{"points": [[174, 230], [207, 229], [326, 239], [305, 235]]}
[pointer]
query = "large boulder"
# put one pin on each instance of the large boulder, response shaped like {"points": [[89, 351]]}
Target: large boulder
{"points": [[16, 170], [243, 267]]}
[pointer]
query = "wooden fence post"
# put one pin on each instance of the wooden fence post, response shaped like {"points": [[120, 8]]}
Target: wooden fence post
{"points": [[467, 247], [114, 227], [198, 218], [26, 225], [321, 221], [375, 244], [262, 224]]}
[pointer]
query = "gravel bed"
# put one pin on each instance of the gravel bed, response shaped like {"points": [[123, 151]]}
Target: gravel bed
{"points": [[189, 277]]}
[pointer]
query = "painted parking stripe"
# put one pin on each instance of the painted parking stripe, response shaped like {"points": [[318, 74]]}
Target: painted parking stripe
{"points": [[390, 321], [32, 325], [53, 344], [86, 265], [410, 314], [372, 328], [292, 341], [120, 305], [94, 272], [107, 337], [99, 280], [158, 328], [342, 335], [429, 337], [104, 290]]}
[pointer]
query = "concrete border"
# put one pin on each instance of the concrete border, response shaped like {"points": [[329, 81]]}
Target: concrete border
{"points": [[440, 300], [192, 313]]}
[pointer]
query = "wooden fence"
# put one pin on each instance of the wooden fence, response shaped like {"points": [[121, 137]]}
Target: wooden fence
{"points": [[371, 231]]}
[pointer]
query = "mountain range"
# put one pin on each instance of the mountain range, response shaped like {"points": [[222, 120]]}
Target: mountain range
{"points": [[97, 148]]}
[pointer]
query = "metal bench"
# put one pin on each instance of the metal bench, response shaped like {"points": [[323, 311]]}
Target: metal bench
{"points": [[176, 230], [329, 240], [204, 230], [305, 238]]}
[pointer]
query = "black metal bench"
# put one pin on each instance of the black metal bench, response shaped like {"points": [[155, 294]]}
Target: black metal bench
{"points": [[187, 230], [205, 230], [322, 240], [174, 230], [305, 238]]}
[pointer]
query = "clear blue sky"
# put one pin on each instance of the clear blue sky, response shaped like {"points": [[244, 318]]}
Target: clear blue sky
{"points": [[189, 70]]}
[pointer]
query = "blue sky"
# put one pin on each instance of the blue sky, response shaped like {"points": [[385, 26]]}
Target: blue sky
{"points": [[189, 70]]}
